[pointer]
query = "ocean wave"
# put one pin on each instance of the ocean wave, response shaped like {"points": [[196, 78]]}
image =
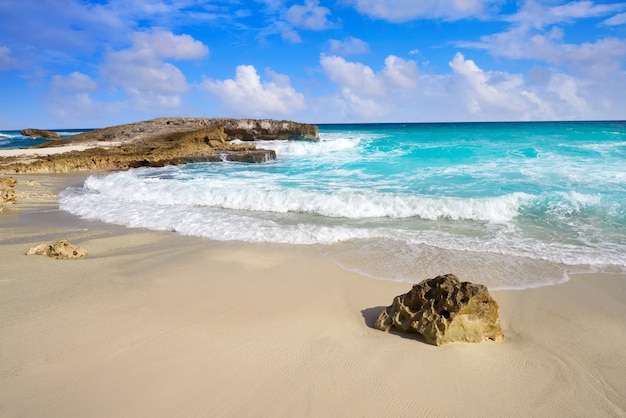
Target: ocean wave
{"points": [[243, 194], [250, 226], [325, 145]]}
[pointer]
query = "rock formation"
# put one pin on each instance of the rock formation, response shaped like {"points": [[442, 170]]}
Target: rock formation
{"points": [[7, 193], [444, 310], [61, 249], [163, 141], [40, 133], [242, 129]]}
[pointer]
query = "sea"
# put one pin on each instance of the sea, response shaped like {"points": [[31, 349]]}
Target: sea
{"points": [[509, 205]]}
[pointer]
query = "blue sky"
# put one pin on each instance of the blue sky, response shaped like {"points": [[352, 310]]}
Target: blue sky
{"points": [[81, 63]]}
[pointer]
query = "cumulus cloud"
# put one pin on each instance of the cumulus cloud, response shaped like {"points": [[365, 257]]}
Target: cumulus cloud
{"points": [[365, 92], [143, 73], [309, 16], [147, 81], [348, 46], [488, 91], [406, 10], [71, 100], [288, 21], [398, 92], [247, 95], [74, 82]]}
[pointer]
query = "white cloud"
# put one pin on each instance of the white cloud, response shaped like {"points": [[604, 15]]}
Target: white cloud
{"points": [[247, 96], [144, 74], [567, 88], [617, 20], [356, 76], [533, 37], [70, 98], [76, 81], [533, 14], [405, 10], [348, 46], [396, 74], [365, 93], [6, 61], [160, 43], [309, 16], [484, 92], [468, 93]]}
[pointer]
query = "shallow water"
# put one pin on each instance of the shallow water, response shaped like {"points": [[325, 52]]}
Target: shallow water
{"points": [[512, 205]]}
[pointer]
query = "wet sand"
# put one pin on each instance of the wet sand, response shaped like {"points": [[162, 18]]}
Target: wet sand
{"points": [[157, 324]]}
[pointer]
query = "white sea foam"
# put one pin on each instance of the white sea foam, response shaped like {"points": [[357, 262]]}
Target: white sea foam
{"points": [[265, 194], [325, 145]]}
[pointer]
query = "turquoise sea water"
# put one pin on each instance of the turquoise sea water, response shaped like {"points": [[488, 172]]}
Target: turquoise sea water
{"points": [[511, 205]]}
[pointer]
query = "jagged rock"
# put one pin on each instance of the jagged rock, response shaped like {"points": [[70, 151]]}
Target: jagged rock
{"points": [[40, 133], [163, 141], [61, 249], [149, 130], [443, 310], [7, 193]]}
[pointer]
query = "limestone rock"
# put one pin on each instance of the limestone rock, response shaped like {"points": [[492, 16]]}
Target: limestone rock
{"points": [[149, 130], [443, 310], [61, 249], [40, 133], [7, 193], [163, 141]]}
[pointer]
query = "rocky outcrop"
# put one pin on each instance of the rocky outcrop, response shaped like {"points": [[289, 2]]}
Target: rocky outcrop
{"points": [[444, 310], [61, 249], [7, 192], [146, 131], [266, 129], [40, 133], [163, 141]]}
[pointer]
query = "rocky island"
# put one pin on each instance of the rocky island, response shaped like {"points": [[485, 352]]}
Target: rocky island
{"points": [[158, 142]]}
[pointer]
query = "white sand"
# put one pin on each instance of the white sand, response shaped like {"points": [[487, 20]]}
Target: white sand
{"points": [[40, 152], [26, 155], [159, 325]]}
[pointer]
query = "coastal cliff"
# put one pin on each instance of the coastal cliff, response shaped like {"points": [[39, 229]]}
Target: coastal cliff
{"points": [[159, 142]]}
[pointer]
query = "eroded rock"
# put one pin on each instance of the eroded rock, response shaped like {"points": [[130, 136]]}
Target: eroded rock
{"points": [[7, 192], [40, 133], [444, 310], [160, 142], [61, 249]]}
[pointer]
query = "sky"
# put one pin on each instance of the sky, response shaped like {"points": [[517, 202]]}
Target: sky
{"points": [[97, 63]]}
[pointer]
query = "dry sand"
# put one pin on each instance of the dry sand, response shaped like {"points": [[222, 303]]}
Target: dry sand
{"points": [[153, 324]]}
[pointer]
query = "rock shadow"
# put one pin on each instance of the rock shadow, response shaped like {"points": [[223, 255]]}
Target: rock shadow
{"points": [[370, 315]]}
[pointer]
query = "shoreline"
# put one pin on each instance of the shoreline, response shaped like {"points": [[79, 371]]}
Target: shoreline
{"points": [[158, 324]]}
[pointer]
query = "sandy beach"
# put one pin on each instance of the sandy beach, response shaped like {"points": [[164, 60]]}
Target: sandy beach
{"points": [[159, 325]]}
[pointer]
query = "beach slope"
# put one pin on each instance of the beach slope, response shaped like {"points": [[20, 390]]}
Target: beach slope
{"points": [[157, 324]]}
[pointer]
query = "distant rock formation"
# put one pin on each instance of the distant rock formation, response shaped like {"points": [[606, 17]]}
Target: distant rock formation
{"points": [[242, 129], [164, 141], [7, 193], [444, 310], [40, 133], [61, 249]]}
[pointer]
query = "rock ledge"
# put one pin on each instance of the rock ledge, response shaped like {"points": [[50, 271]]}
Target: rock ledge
{"points": [[160, 142]]}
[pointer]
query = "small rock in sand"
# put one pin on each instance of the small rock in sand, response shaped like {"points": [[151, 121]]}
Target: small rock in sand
{"points": [[61, 249]]}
